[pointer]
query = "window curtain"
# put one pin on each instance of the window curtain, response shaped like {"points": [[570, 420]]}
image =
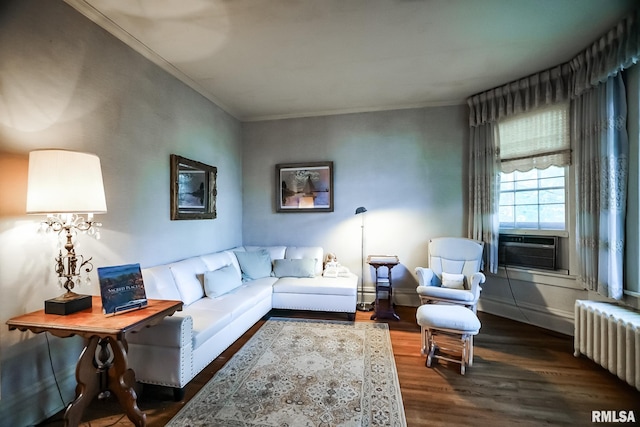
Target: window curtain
{"points": [[615, 51], [484, 186], [599, 115], [601, 159]]}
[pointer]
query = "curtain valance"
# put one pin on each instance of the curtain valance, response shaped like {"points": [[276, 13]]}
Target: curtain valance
{"points": [[615, 51], [544, 88]]}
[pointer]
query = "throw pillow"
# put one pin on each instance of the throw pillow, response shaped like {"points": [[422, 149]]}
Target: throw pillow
{"points": [[219, 282], [254, 264], [453, 281], [304, 267]]}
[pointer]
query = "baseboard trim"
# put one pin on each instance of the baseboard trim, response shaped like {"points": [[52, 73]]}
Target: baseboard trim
{"points": [[13, 410], [543, 317]]}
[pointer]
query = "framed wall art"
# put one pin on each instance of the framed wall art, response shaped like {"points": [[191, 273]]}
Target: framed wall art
{"points": [[193, 189], [304, 187]]}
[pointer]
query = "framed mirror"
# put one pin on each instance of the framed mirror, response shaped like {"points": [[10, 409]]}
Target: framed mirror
{"points": [[193, 189]]}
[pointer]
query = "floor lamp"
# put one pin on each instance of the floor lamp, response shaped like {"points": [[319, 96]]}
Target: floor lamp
{"points": [[362, 306]]}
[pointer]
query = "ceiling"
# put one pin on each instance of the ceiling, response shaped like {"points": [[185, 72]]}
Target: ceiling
{"points": [[268, 59]]}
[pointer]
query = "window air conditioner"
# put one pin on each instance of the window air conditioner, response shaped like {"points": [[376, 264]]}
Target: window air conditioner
{"points": [[527, 251]]}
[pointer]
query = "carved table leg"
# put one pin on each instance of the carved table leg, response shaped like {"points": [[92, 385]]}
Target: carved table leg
{"points": [[88, 384], [121, 382]]}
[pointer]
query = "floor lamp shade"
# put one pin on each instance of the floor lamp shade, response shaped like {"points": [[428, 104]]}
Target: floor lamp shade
{"points": [[61, 181]]}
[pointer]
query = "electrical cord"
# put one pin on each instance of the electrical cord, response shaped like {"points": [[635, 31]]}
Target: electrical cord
{"points": [[515, 302], [116, 422], [53, 371]]}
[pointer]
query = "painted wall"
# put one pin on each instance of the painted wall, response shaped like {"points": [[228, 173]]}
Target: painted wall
{"points": [[66, 83], [407, 167]]}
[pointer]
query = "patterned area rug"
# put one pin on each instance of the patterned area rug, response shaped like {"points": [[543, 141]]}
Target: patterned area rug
{"points": [[296, 372]]}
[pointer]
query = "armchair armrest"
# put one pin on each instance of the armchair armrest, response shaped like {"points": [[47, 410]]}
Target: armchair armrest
{"points": [[475, 281], [425, 276]]}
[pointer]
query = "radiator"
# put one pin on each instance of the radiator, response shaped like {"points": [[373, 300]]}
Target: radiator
{"points": [[609, 335]]}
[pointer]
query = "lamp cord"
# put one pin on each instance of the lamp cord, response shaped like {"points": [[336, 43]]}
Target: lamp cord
{"points": [[64, 405], [53, 371]]}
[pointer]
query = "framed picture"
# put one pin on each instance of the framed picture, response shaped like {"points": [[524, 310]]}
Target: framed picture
{"points": [[304, 187], [193, 189]]}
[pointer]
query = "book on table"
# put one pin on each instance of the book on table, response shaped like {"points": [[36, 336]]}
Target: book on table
{"points": [[121, 288]]}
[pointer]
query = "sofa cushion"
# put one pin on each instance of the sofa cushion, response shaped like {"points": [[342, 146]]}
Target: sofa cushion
{"points": [[219, 282], [318, 285], [206, 321], [304, 267], [313, 252], [241, 299], [186, 274], [159, 283], [254, 264], [218, 260]]}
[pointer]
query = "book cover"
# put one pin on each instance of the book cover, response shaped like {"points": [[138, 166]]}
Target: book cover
{"points": [[121, 288]]}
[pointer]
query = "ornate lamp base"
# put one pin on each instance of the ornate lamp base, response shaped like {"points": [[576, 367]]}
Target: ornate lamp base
{"points": [[63, 306]]}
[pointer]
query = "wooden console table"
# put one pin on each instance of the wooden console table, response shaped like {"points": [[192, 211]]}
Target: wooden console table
{"points": [[108, 369], [383, 307]]}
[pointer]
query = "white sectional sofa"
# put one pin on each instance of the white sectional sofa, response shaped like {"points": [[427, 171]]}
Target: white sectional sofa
{"points": [[224, 294]]}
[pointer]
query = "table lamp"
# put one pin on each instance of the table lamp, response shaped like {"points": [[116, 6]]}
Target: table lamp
{"points": [[64, 185]]}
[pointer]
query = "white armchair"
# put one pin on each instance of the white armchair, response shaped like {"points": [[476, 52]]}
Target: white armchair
{"points": [[453, 275]]}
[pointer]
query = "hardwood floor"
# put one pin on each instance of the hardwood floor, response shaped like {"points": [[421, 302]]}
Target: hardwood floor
{"points": [[521, 375]]}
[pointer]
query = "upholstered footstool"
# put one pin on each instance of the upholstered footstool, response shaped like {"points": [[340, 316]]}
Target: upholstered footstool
{"points": [[452, 320]]}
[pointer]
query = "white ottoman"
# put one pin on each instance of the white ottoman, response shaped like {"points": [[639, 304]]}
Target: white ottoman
{"points": [[435, 319]]}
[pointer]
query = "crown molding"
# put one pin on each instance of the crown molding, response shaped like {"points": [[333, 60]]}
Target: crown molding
{"points": [[120, 33]]}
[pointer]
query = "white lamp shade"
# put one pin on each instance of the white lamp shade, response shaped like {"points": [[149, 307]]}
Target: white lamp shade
{"points": [[63, 181]]}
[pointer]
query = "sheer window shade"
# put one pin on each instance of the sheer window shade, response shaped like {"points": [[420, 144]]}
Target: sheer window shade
{"points": [[536, 139]]}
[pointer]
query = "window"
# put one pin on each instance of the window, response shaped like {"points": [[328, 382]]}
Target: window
{"points": [[533, 200], [535, 154]]}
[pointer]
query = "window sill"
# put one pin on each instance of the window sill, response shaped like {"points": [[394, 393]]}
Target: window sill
{"points": [[632, 293], [559, 233]]}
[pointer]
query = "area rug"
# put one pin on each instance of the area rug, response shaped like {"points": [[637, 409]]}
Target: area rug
{"points": [[307, 373]]}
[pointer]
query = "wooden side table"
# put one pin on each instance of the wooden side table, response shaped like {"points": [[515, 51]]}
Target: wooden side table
{"points": [[383, 307], [108, 370]]}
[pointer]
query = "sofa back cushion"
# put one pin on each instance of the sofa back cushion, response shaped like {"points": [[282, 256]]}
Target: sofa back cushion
{"points": [[275, 252], [188, 274], [218, 260], [159, 283], [219, 282], [311, 252]]}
